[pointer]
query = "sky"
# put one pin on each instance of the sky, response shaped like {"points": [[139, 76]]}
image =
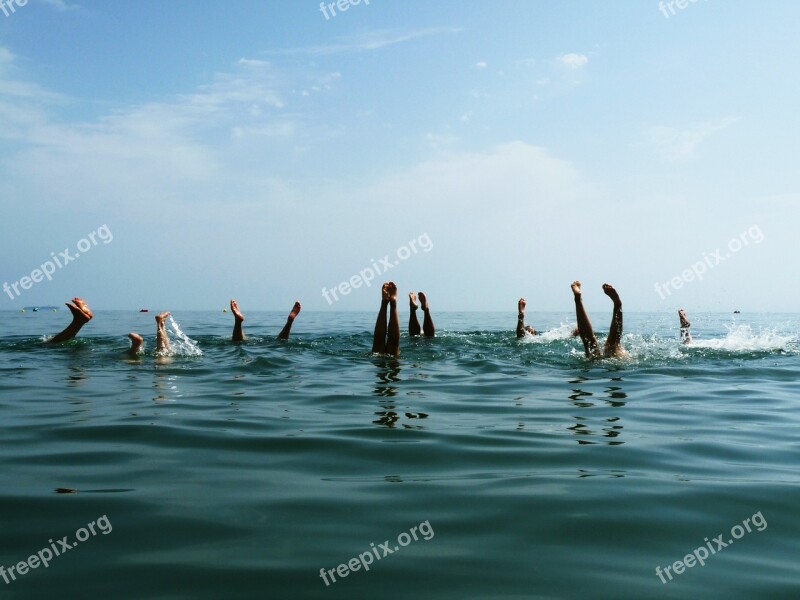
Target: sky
{"points": [[185, 153]]}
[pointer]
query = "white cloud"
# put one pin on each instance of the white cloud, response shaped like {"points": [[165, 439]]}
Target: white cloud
{"points": [[372, 40], [436, 140], [61, 5], [679, 145], [481, 65], [166, 149], [573, 61]]}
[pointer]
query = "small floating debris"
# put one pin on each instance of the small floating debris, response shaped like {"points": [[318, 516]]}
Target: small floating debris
{"points": [[66, 491]]}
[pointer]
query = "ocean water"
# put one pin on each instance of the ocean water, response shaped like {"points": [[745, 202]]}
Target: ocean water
{"points": [[523, 470]]}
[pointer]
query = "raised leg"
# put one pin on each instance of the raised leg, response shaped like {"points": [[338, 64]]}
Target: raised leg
{"points": [[238, 319], [614, 341], [136, 343], [686, 336], [379, 336], [428, 328], [81, 315], [413, 322], [393, 333], [585, 329], [521, 327], [162, 339], [284, 334]]}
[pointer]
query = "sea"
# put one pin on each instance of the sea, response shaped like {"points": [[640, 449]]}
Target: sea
{"points": [[475, 465]]}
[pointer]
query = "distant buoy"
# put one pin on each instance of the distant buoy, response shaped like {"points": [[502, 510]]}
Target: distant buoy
{"points": [[224, 310]]}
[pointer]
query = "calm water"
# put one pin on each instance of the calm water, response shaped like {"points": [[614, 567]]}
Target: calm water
{"points": [[241, 471]]}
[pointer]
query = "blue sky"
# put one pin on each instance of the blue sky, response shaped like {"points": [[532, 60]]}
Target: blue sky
{"points": [[258, 150]]}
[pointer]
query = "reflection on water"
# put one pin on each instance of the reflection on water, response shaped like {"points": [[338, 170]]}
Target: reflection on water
{"points": [[388, 376], [166, 387], [607, 426]]}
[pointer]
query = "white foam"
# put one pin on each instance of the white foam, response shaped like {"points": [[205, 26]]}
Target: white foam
{"points": [[562, 332], [741, 338], [182, 345]]}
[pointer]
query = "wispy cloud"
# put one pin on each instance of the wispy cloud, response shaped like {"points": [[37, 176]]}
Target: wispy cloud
{"points": [[373, 40], [202, 136], [60, 5], [573, 61], [481, 65], [681, 144]]}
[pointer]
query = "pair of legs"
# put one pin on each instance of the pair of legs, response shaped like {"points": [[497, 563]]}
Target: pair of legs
{"points": [[81, 315], [613, 345], [522, 329], [686, 336], [162, 339], [238, 319], [387, 341], [428, 328]]}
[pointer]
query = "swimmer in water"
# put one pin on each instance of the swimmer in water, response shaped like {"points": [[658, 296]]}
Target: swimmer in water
{"points": [[284, 334], [387, 341], [613, 346], [81, 315], [137, 344], [238, 319], [162, 339], [522, 329], [686, 336], [428, 329]]}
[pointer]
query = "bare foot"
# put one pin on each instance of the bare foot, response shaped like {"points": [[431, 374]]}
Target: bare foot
{"points": [[612, 293], [521, 306], [236, 312], [80, 310], [160, 318], [412, 300], [684, 321], [423, 301], [295, 311], [390, 292], [576, 288], [136, 342], [385, 291]]}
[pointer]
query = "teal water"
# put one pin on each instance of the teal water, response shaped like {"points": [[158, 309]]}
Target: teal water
{"points": [[241, 471]]}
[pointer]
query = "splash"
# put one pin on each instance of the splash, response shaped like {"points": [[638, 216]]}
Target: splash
{"points": [[562, 332], [741, 338], [182, 345]]}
